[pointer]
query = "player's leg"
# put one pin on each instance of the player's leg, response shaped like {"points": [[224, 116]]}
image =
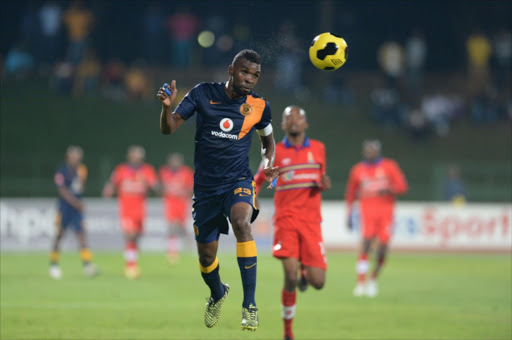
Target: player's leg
{"points": [[246, 252], [384, 235], [55, 271], [132, 227], [288, 295], [209, 222], [312, 254], [173, 242], [362, 266], [85, 253]]}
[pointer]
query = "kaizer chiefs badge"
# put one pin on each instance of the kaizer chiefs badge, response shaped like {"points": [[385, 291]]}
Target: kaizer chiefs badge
{"points": [[245, 109]]}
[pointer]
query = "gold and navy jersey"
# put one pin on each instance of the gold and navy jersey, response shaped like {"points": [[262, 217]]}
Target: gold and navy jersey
{"points": [[72, 179], [224, 129]]}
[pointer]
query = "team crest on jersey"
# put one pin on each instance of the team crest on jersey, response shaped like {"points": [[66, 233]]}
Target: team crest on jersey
{"points": [[226, 125], [311, 159], [288, 176], [245, 109]]}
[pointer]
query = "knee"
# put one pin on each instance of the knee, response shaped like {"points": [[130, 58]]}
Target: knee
{"points": [[317, 283], [241, 225], [206, 259]]}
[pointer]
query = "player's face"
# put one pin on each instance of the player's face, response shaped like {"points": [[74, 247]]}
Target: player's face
{"points": [[74, 157], [245, 75], [370, 152], [135, 157], [294, 121], [174, 162]]}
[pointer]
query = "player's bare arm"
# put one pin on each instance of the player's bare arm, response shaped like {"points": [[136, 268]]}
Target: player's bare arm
{"points": [[169, 121], [268, 153], [325, 182], [108, 190], [69, 198]]}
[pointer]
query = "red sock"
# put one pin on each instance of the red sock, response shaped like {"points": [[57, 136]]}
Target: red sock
{"points": [[362, 267], [130, 254], [288, 311]]}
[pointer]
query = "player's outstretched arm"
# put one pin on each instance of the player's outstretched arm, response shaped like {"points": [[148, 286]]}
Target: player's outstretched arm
{"points": [[268, 153], [66, 195], [169, 121]]}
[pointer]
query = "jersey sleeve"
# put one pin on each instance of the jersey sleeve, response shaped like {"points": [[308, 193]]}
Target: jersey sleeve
{"points": [[264, 126], [399, 184], [188, 104], [59, 178]]}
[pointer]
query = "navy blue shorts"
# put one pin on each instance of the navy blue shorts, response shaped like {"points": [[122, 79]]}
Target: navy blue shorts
{"points": [[70, 218], [211, 210]]}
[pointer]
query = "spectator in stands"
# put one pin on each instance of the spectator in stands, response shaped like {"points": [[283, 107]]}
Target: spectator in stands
{"points": [[387, 107], [87, 75], [417, 125], [416, 53], [454, 189], [479, 52], [440, 109], [113, 80], [79, 22], [391, 60], [502, 51], [50, 18], [137, 83], [19, 63], [181, 27], [152, 33], [62, 78]]}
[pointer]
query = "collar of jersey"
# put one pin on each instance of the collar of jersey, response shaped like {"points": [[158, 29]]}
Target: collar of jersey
{"points": [[377, 161], [305, 144]]}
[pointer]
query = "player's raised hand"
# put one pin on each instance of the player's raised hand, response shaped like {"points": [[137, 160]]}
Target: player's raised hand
{"points": [[167, 93], [271, 174]]}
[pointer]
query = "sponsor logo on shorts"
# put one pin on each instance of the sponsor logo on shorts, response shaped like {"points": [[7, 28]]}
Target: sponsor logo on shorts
{"points": [[243, 192]]}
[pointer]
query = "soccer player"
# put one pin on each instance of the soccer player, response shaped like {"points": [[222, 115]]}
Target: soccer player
{"points": [[132, 181], [298, 239], [375, 182], [177, 183], [70, 180], [227, 115]]}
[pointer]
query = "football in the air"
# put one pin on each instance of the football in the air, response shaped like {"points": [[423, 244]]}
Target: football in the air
{"points": [[328, 51]]}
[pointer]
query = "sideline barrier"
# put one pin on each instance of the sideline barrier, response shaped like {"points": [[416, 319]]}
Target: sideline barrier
{"points": [[28, 225]]}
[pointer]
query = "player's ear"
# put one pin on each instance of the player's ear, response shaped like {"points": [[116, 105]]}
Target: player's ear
{"points": [[230, 70]]}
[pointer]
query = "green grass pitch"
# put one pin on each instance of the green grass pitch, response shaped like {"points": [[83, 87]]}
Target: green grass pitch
{"points": [[421, 297]]}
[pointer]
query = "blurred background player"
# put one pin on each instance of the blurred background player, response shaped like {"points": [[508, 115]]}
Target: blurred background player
{"points": [[70, 180], [132, 181], [375, 182], [228, 113], [177, 181], [297, 201]]}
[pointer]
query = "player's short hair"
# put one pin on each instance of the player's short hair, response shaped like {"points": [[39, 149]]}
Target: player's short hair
{"points": [[248, 55], [137, 148], [288, 109], [375, 143], [177, 155], [75, 148]]}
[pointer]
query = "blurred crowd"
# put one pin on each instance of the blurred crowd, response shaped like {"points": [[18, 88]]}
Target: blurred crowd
{"points": [[56, 40], [405, 100]]}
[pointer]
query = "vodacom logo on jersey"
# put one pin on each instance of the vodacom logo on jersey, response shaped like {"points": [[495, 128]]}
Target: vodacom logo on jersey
{"points": [[225, 125]]}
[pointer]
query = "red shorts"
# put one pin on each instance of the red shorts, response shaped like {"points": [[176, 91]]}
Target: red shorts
{"points": [[177, 210], [300, 240], [132, 219], [377, 225]]}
